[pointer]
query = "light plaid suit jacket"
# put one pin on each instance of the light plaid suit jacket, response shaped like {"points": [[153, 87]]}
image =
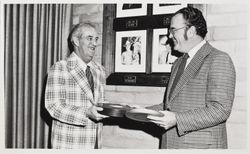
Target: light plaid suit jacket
{"points": [[67, 98], [202, 101]]}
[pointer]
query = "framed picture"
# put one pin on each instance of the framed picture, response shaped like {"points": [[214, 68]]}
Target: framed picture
{"points": [[162, 58], [128, 10], [130, 51], [167, 8]]}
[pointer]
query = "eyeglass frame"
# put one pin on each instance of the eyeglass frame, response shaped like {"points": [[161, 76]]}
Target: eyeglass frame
{"points": [[90, 38], [174, 30]]}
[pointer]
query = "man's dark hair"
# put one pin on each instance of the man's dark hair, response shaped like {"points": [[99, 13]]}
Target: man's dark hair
{"points": [[194, 18]]}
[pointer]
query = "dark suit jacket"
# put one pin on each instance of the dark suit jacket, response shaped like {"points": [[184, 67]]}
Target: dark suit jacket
{"points": [[202, 101]]}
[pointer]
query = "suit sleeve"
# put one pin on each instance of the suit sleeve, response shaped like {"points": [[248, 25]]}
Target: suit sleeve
{"points": [[158, 107], [55, 100], [161, 106], [218, 100]]}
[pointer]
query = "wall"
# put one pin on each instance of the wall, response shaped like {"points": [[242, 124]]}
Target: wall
{"points": [[90, 13], [228, 32], [227, 26]]}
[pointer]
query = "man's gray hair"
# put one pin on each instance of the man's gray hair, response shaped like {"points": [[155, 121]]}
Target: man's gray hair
{"points": [[79, 29]]}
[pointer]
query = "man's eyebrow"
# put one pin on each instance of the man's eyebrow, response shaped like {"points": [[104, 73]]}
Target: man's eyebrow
{"points": [[92, 36], [89, 36]]}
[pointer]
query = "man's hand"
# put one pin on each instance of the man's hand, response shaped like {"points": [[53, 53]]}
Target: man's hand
{"points": [[167, 121], [93, 114]]}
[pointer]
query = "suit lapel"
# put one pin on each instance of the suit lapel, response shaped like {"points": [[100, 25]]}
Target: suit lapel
{"points": [[96, 78], [191, 69], [172, 76], [79, 76]]}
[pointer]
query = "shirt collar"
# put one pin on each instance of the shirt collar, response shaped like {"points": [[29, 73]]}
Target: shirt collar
{"points": [[81, 62], [194, 50]]}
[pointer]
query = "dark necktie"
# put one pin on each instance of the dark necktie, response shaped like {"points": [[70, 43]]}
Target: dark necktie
{"points": [[90, 79], [179, 72], [166, 58]]}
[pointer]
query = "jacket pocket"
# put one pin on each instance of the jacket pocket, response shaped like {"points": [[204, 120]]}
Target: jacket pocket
{"points": [[201, 139]]}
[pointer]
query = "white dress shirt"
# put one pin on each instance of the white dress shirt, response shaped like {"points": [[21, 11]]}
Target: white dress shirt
{"points": [[193, 51]]}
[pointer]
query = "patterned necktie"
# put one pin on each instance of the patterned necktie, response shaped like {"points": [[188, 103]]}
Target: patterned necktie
{"points": [[179, 72], [90, 79]]}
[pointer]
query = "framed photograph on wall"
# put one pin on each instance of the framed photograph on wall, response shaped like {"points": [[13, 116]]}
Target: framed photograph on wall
{"points": [[131, 9], [160, 8], [162, 59], [130, 51]]}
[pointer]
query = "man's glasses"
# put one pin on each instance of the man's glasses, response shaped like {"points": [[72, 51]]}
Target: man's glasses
{"points": [[91, 38], [174, 30]]}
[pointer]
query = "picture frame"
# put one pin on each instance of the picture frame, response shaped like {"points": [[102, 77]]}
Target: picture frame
{"points": [[162, 59], [130, 51], [132, 9], [160, 8]]}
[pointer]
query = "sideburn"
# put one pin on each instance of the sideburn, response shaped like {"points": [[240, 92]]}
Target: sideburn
{"points": [[185, 34]]}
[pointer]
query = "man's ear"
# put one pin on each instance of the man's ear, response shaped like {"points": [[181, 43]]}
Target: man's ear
{"points": [[191, 31], [75, 41]]}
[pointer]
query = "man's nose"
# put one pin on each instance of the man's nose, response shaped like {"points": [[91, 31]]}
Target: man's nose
{"points": [[170, 35], [94, 42]]}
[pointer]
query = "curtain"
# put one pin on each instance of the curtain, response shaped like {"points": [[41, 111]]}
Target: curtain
{"points": [[35, 38]]}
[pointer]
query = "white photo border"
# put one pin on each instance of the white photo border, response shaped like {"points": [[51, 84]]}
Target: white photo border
{"points": [[156, 67], [131, 12], [119, 67], [167, 9]]}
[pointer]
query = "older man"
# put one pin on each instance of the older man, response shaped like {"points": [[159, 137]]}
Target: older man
{"points": [[74, 88]]}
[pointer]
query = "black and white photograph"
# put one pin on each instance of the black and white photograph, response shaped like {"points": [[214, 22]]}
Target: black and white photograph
{"points": [[131, 50], [167, 8], [130, 55], [162, 57], [70, 79], [131, 6], [131, 9]]}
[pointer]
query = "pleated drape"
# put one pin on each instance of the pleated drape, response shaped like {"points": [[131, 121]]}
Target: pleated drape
{"points": [[35, 38]]}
